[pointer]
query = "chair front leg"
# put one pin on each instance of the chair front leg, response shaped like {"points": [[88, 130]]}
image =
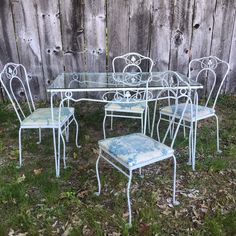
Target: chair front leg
{"points": [[97, 173], [142, 131], [128, 198], [194, 144], [67, 132], [64, 150], [104, 124], [55, 149], [111, 120], [190, 143], [217, 134], [20, 148], [158, 132], [184, 128], [153, 119], [77, 132], [174, 180], [149, 120], [40, 136]]}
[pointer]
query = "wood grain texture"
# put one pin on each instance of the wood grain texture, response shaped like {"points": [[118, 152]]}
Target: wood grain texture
{"points": [[140, 26], [50, 39], [118, 26], [8, 49], [223, 31], [161, 35], [72, 33], [27, 37], [203, 20], [181, 35], [95, 35]]}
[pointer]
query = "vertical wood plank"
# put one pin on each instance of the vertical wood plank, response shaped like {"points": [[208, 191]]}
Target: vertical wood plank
{"points": [[230, 85], [161, 35], [50, 39], [231, 79], [8, 49], [223, 30], [117, 28], [95, 35], [202, 28], [72, 30], [181, 35], [139, 26], [27, 37]]}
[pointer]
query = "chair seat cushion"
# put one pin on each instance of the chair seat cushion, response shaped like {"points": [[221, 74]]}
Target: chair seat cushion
{"points": [[131, 106], [202, 111], [42, 117], [135, 149]]}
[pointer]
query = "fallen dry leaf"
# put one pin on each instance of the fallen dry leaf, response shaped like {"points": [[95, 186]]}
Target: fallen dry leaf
{"points": [[20, 179], [143, 228], [38, 171]]}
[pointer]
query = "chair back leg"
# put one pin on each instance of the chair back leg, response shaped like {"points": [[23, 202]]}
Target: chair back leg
{"points": [[128, 198]]}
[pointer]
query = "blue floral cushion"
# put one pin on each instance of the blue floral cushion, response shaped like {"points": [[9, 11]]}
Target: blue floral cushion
{"points": [[43, 116], [135, 149], [134, 105], [202, 111]]}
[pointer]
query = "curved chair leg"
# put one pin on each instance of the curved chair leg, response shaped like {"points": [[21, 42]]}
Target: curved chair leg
{"points": [[153, 119], [58, 152], [190, 146], [111, 120], [67, 133], [20, 149], [158, 133], [104, 124], [184, 128], [194, 144], [148, 118], [172, 129], [142, 130], [174, 180], [217, 134], [128, 198], [55, 149], [140, 173], [64, 150], [40, 136], [77, 133], [97, 174]]}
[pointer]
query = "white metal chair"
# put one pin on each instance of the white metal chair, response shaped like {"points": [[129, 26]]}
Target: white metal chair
{"points": [[16, 85], [211, 72], [134, 151], [133, 63]]}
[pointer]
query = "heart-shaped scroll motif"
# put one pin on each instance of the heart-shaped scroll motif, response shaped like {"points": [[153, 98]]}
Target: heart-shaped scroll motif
{"points": [[133, 59], [127, 94]]}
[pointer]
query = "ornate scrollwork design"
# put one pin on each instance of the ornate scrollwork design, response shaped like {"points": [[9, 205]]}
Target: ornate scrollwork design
{"points": [[134, 59], [210, 62], [127, 96], [68, 94]]}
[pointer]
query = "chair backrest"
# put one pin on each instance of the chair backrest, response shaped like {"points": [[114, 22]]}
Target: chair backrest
{"points": [[15, 84], [176, 94], [132, 62], [211, 72]]}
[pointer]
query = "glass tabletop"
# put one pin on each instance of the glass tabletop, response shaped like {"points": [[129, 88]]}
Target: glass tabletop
{"points": [[110, 81]]}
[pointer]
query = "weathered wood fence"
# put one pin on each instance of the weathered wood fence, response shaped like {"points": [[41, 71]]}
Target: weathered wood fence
{"points": [[52, 36]]}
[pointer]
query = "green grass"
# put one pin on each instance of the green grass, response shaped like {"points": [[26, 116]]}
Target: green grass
{"points": [[34, 201]]}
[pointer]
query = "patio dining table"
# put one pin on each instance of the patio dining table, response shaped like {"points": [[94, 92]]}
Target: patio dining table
{"points": [[101, 87]]}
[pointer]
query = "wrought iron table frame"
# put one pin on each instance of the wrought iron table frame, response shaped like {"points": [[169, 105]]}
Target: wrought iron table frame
{"points": [[86, 83]]}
